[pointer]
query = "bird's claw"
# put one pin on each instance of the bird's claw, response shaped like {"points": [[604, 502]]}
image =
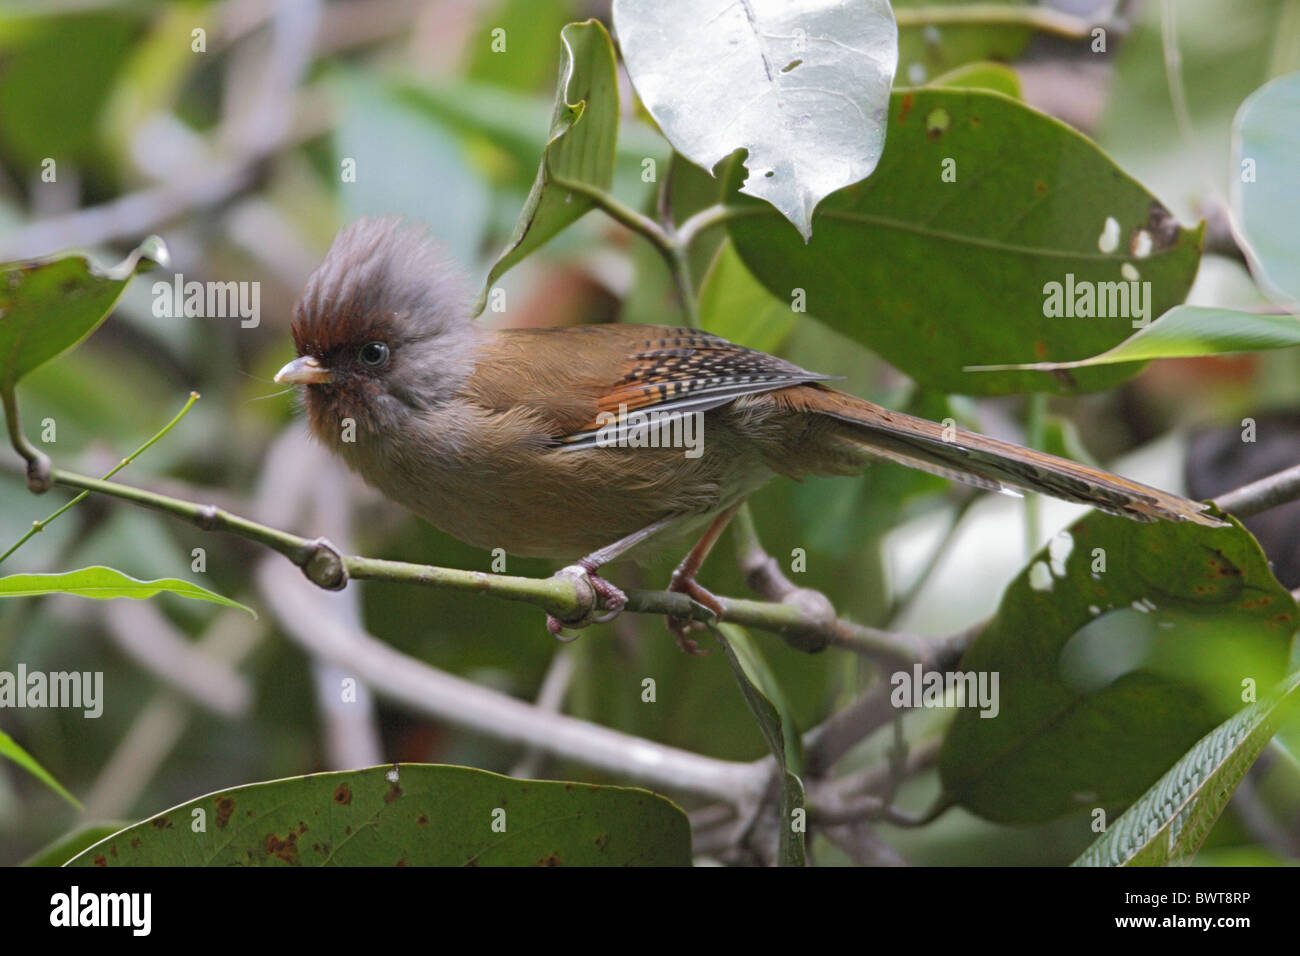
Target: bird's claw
{"points": [[701, 597], [611, 598]]}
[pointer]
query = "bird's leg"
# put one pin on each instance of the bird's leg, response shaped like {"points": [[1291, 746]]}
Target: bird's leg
{"points": [[611, 597], [683, 581]]}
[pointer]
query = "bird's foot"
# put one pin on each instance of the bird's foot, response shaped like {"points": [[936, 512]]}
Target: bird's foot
{"points": [[681, 627], [611, 598]]}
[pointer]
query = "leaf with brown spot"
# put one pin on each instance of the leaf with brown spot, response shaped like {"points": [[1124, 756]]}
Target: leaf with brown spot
{"points": [[225, 807], [442, 819]]}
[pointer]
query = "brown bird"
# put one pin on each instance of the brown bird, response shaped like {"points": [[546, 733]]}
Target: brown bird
{"points": [[540, 441]]}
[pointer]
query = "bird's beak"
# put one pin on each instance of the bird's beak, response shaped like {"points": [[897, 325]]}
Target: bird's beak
{"points": [[304, 370]]}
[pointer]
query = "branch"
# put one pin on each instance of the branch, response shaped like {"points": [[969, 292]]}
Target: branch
{"points": [[427, 690], [1259, 496], [802, 625]]}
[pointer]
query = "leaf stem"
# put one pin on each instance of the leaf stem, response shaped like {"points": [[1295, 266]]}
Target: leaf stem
{"points": [[39, 526], [673, 244], [38, 463], [623, 213]]}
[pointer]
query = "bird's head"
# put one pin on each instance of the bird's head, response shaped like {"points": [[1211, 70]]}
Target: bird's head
{"points": [[383, 328]]}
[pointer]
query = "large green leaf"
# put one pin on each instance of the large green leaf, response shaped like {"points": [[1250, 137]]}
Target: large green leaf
{"points": [[1116, 649], [10, 750], [581, 147], [49, 305], [1186, 331], [107, 583], [936, 276], [759, 688], [1173, 818], [1265, 200], [407, 815], [734, 305], [802, 87]]}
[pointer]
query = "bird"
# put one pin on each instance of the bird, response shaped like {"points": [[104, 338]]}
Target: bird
{"points": [[539, 441]]}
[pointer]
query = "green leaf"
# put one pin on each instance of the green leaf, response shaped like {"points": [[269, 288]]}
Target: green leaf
{"points": [[802, 87], [49, 305], [997, 77], [1172, 819], [936, 276], [106, 583], [521, 55], [517, 124], [63, 849], [10, 749], [735, 306], [782, 736], [58, 74], [408, 163], [1186, 331], [1265, 201], [928, 50], [1115, 650], [408, 815], [581, 147]]}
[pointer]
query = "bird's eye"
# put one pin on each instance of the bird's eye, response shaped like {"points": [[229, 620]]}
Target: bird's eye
{"points": [[374, 354]]}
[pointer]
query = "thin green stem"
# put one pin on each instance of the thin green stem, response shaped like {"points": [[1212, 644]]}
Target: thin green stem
{"points": [[673, 245], [38, 463], [621, 212], [709, 217], [680, 266], [39, 526]]}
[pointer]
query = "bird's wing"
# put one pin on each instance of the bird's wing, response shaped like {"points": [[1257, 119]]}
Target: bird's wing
{"points": [[585, 381]]}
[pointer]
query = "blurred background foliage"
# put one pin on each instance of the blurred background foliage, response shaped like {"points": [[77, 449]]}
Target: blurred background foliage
{"points": [[447, 131]]}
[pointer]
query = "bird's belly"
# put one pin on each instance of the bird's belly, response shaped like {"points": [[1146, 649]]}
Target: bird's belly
{"points": [[566, 504]]}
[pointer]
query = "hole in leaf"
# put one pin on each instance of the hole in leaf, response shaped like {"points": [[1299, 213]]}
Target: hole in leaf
{"points": [[936, 123]]}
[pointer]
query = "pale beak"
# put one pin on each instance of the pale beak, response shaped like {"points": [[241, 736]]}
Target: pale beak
{"points": [[305, 370]]}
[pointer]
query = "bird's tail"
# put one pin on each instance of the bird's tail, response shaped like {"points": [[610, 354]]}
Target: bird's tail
{"points": [[874, 431]]}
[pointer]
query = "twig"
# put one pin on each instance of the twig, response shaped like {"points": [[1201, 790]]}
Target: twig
{"points": [[39, 526], [38, 463], [1259, 496], [427, 690]]}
